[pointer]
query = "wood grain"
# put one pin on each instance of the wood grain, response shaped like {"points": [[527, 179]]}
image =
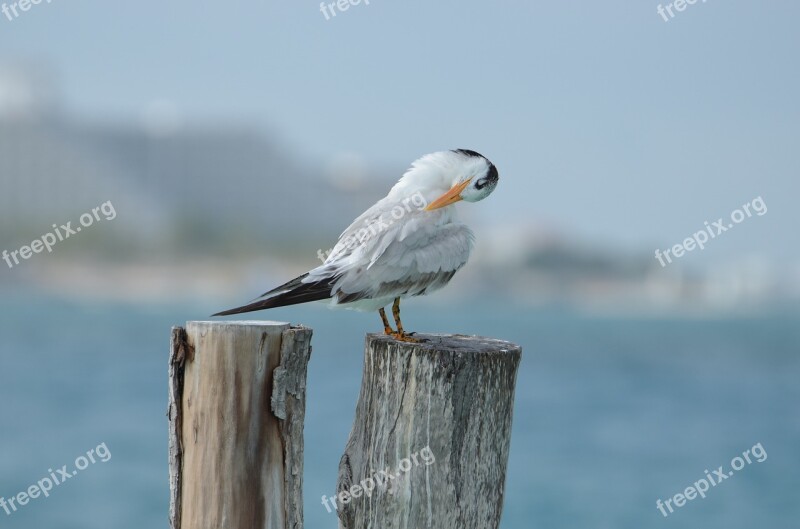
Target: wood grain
{"points": [[236, 443], [452, 395]]}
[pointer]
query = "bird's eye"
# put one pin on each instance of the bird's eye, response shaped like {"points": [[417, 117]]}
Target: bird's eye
{"points": [[480, 184]]}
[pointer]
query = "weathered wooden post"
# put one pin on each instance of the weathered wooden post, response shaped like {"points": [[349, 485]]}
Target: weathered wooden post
{"points": [[430, 440], [236, 411]]}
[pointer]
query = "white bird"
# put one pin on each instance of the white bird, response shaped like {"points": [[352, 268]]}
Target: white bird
{"points": [[409, 243]]}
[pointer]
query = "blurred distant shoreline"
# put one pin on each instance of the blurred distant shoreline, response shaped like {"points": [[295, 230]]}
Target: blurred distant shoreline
{"points": [[220, 281], [224, 211]]}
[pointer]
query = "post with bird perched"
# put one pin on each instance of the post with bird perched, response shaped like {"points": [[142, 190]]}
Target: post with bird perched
{"points": [[431, 436], [442, 398], [236, 413]]}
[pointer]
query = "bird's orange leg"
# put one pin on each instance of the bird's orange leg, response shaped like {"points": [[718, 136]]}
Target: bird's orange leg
{"points": [[396, 314], [387, 328], [401, 333]]}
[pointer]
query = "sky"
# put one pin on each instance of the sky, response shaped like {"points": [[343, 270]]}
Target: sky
{"points": [[604, 120]]}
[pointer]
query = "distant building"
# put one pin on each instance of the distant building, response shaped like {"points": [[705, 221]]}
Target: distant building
{"points": [[163, 175]]}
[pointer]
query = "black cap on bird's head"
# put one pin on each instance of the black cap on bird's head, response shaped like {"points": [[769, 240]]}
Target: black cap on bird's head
{"points": [[478, 180]]}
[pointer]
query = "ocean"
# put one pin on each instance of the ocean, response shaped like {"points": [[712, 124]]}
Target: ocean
{"points": [[612, 413]]}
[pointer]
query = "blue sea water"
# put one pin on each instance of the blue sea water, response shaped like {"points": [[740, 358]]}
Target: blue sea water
{"points": [[611, 414]]}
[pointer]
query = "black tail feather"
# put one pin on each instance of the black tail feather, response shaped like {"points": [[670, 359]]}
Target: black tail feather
{"points": [[290, 285], [291, 293]]}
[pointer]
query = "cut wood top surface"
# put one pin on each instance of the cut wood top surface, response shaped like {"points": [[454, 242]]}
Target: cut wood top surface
{"points": [[457, 343], [248, 323]]}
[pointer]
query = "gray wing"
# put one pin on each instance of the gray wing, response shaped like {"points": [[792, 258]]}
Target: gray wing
{"points": [[384, 254]]}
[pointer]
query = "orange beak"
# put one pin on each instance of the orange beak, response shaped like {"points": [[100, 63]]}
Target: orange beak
{"points": [[451, 197]]}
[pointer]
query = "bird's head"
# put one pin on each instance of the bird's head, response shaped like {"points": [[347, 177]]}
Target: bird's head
{"points": [[470, 176]]}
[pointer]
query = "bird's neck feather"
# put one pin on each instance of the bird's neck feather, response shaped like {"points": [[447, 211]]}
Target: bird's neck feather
{"points": [[424, 177]]}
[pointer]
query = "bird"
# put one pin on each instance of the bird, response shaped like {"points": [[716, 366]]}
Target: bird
{"points": [[409, 243]]}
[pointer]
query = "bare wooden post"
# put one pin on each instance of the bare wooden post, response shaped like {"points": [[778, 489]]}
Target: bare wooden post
{"points": [[236, 411], [431, 434]]}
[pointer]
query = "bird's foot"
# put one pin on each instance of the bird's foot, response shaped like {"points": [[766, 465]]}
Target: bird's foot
{"points": [[405, 337]]}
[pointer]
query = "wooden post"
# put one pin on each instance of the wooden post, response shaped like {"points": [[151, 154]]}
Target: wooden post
{"points": [[432, 433], [236, 411]]}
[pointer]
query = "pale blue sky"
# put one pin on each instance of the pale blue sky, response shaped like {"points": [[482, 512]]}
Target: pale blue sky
{"points": [[602, 118]]}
